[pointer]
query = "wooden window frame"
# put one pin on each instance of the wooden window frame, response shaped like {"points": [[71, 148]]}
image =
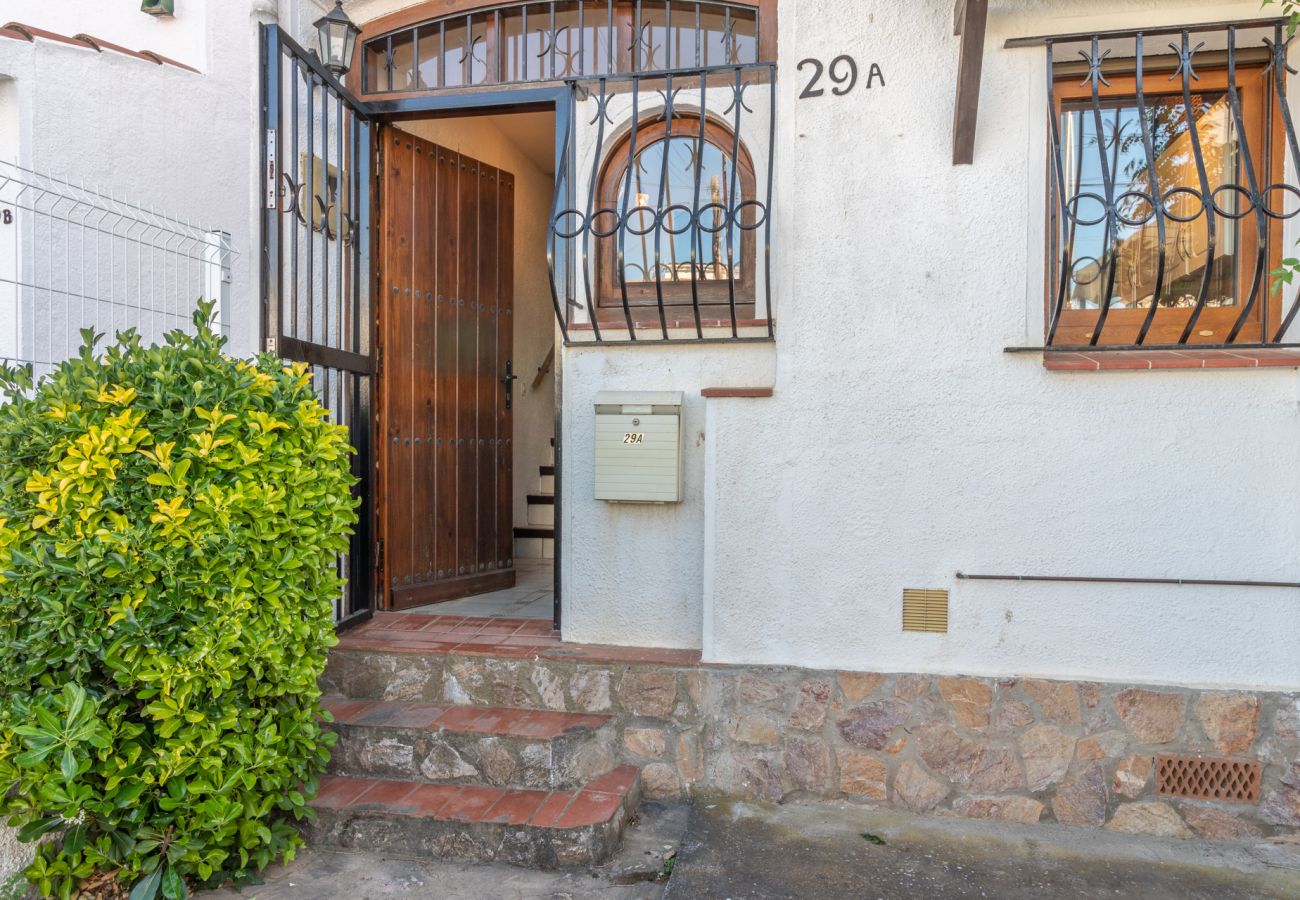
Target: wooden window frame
{"points": [[713, 295], [1265, 139]]}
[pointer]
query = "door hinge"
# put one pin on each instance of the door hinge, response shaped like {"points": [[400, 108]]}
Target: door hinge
{"points": [[379, 555], [271, 186], [379, 362]]}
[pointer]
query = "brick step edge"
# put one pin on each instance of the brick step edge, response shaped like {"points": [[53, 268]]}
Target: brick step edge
{"points": [[536, 829], [499, 721]]}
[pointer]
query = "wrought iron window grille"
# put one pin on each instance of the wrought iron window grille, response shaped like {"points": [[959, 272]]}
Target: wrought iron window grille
{"points": [[1173, 161], [705, 260]]}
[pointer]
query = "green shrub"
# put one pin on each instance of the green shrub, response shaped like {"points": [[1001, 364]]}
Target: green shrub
{"points": [[169, 524], [14, 887]]}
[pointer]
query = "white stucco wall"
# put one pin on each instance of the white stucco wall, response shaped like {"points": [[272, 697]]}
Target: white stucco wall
{"points": [[635, 573], [903, 445], [180, 142], [183, 36]]}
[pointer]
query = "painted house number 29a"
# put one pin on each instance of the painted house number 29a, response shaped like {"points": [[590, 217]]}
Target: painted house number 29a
{"points": [[842, 72]]}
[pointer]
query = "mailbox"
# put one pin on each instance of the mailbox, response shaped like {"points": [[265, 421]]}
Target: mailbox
{"points": [[639, 446]]}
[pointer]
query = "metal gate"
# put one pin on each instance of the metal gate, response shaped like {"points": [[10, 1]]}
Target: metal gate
{"points": [[316, 167]]}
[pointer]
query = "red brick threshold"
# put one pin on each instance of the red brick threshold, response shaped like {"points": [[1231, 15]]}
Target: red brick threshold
{"points": [[498, 637], [1156, 358]]}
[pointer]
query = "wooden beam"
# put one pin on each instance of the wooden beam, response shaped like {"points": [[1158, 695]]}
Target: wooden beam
{"points": [[970, 19]]}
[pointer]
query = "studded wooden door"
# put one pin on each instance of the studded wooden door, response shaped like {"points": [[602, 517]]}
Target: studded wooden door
{"points": [[445, 316]]}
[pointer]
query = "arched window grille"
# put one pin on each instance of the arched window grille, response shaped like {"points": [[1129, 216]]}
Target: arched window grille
{"points": [[661, 227], [556, 40], [687, 172]]}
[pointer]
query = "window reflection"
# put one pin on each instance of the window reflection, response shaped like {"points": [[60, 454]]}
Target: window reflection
{"points": [[452, 53], [664, 178], [1137, 241]]}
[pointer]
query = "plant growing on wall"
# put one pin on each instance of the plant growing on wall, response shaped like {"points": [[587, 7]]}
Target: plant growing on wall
{"points": [[169, 524], [1290, 9]]}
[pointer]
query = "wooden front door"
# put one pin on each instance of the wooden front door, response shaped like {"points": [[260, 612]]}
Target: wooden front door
{"points": [[446, 286]]}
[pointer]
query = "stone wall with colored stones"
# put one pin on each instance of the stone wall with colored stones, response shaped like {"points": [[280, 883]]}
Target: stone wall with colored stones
{"points": [[1027, 750]]}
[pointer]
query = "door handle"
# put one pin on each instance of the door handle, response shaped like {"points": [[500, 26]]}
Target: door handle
{"points": [[508, 380]]}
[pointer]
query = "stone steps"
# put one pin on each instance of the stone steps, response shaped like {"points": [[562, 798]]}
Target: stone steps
{"points": [[535, 828], [496, 746], [532, 787]]}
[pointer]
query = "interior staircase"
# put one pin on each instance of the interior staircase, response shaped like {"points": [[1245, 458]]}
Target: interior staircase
{"points": [[536, 540], [535, 788]]}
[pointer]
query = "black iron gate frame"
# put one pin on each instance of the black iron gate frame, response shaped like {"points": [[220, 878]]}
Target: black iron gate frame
{"points": [[359, 362], [345, 363]]}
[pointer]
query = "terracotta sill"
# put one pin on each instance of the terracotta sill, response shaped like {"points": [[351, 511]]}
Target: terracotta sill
{"points": [[1191, 358], [748, 392]]}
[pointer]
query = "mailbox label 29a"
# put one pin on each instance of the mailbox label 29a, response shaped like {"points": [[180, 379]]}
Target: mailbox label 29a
{"points": [[633, 438]]}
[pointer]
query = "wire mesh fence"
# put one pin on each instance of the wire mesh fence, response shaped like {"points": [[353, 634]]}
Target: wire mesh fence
{"points": [[74, 257]]}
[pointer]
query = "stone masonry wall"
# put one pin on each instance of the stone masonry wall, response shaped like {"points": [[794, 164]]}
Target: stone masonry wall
{"points": [[1028, 750]]}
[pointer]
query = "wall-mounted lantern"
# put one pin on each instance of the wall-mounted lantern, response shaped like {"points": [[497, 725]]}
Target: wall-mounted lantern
{"points": [[158, 7], [337, 38]]}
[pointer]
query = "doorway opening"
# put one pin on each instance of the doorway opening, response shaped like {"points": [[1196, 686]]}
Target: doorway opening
{"points": [[465, 341]]}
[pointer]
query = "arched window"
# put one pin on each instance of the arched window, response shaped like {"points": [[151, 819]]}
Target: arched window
{"points": [[686, 212]]}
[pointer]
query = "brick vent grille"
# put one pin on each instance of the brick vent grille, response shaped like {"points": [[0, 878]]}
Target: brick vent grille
{"points": [[925, 609], [1231, 780]]}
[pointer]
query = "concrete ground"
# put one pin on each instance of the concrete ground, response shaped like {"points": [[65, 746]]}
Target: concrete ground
{"points": [[747, 851]]}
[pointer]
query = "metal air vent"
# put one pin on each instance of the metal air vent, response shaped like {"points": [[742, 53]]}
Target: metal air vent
{"points": [[925, 609]]}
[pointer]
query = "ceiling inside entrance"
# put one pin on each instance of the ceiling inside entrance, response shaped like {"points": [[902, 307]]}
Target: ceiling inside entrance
{"points": [[534, 134]]}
